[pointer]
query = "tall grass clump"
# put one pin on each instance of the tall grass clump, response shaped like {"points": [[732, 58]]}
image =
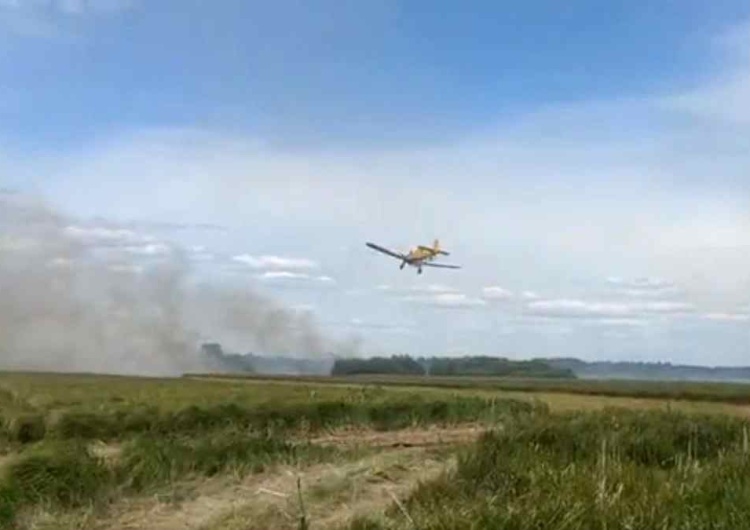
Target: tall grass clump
{"points": [[52, 475], [148, 462], [609, 470], [63, 475], [389, 412], [25, 428]]}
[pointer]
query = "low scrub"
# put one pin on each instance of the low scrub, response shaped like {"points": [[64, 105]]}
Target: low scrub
{"points": [[609, 470], [384, 414]]}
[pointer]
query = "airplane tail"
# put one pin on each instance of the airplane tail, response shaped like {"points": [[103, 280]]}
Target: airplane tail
{"points": [[436, 248]]}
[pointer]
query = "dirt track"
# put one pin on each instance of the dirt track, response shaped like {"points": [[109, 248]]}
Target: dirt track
{"points": [[403, 438], [332, 493]]}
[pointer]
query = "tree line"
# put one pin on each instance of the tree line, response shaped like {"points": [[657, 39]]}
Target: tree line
{"points": [[449, 366], [393, 365]]}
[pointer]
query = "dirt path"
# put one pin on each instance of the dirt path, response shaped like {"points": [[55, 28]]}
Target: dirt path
{"points": [[332, 492], [333, 495], [432, 436]]}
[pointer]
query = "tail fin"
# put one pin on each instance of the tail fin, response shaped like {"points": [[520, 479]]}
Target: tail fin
{"points": [[437, 250]]}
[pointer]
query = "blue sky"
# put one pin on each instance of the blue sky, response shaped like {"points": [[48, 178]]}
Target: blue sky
{"points": [[562, 153]]}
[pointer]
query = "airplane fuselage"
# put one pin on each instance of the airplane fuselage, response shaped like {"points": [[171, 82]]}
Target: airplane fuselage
{"points": [[417, 256]]}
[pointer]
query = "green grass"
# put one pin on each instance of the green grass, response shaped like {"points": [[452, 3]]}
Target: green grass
{"points": [[166, 431], [111, 408], [393, 412], [58, 475], [735, 393], [67, 475], [150, 462], [611, 469], [606, 470]]}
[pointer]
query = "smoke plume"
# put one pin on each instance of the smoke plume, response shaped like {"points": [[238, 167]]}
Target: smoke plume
{"points": [[105, 298]]}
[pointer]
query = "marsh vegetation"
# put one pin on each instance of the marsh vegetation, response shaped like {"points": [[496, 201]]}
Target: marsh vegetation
{"points": [[80, 451]]}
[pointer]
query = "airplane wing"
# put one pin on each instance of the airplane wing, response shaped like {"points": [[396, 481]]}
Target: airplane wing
{"points": [[430, 249], [386, 251], [440, 265]]}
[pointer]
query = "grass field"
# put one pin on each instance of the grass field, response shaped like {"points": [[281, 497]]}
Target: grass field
{"points": [[106, 452], [737, 393]]}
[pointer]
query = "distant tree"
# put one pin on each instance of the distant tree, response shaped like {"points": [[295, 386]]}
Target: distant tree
{"points": [[396, 364], [231, 362], [450, 366]]}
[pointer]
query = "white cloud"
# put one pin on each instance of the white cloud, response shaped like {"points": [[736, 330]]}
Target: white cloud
{"points": [[640, 283], [448, 300], [67, 7], [728, 317], [497, 293], [645, 287], [417, 289], [47, 19], [97, 234], [297, 276], [115, 239], [576, 309], [202, 256], [620, 322], [727, 100], [275, 262], [434, 288], [379, 327], [723, 97], [126, 268], [284, 275], [62, 263], [152, 249]]}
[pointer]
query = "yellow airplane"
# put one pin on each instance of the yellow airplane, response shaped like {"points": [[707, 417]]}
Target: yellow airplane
{"points": [[420, 256]]}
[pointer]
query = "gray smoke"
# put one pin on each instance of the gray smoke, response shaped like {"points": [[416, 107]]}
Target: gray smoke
{"points": [[104, 298]]}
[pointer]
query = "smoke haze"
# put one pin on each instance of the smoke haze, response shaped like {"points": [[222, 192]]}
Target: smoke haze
{"points": [[103, 298]]}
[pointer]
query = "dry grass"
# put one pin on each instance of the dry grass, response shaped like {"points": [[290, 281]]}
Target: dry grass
{"points": [[335, 495]]}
